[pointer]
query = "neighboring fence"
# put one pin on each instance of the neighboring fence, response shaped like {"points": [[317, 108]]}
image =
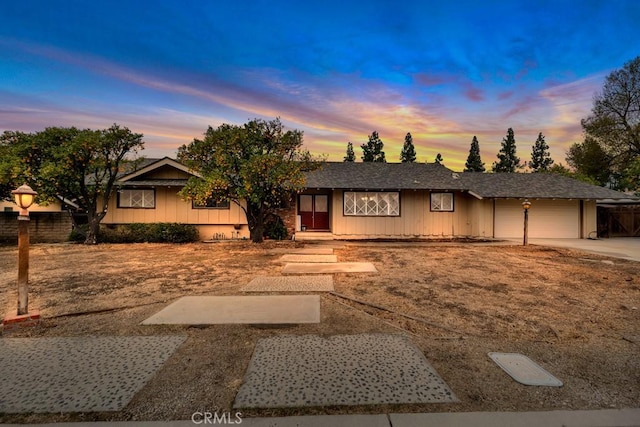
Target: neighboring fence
{"points": [[44, 227], [619, 221]]}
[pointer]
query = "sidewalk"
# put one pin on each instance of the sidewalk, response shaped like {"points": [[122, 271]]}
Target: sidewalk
{"points": [[595, 418]]}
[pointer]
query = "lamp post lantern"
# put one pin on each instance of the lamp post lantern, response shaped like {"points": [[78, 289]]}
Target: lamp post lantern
{"points": [[525, 206], [24, 196]]}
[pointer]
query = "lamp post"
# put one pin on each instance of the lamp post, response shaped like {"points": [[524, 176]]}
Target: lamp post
{"points": [[525, 206], [24, 196]]}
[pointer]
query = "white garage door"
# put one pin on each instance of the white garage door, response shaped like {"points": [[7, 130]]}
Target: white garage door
{"points": [[547, 219]]}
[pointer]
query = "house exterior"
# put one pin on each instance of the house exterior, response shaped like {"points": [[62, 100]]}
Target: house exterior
{"points": [[377, 201], [150, 194]]}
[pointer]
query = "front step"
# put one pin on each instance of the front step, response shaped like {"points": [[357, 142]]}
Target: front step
{"points": [[313, 235]]}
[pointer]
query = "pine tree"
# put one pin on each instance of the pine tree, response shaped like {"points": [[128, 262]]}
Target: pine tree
{"points": [[350, 157], [474, 162], [507, 159], [372, 150], [439, 159], [541, 159], [408, 153]]}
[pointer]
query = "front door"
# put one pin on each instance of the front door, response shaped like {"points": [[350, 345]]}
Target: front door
{"points": [[314, 211]]}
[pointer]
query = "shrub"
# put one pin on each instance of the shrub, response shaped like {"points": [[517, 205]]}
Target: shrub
{"points": [[159, 232], [275, 228]]}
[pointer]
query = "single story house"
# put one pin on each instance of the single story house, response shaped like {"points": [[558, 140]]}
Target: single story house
{"points": [[377, 201]]}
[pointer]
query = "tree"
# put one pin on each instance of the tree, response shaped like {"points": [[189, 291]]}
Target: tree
{"points": [[474, 162], [507, 159], [350, 157], [588, 159], [439, 159], [256, 166], [72, 164], [372, 150], [614, 122], [408, 153], [541, 159]]}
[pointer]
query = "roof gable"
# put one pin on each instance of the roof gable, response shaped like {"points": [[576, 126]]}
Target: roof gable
{"points": [[165, 168]]}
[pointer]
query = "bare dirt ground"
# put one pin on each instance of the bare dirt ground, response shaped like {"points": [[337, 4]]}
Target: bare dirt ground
{"points": [[575, 315]]}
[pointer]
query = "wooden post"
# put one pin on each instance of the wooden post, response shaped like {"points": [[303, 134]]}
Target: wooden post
{"points": [[526, 227], [23, 264]]}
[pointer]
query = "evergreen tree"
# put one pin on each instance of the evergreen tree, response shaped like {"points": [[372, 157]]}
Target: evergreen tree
{"points": [[408, 153], [474, 162], [541, 159], [507, 159], [372, 150], [439, 159], [350, 157]]}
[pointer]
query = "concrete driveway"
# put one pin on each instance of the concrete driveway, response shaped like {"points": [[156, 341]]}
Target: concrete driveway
{"points": [[622, 247]]}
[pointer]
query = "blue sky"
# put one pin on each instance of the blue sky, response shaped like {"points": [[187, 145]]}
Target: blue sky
{"points": [[338, 70]]}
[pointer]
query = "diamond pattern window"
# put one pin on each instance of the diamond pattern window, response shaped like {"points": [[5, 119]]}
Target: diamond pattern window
{"points": [[137, 198], [442, 202], [366, 203]]}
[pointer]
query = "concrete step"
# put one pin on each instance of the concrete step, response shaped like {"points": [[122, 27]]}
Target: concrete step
{"points": [[314, 235]]}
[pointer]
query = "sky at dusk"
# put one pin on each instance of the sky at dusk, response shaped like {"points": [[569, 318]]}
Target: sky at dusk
{"points": [[338, 70]]}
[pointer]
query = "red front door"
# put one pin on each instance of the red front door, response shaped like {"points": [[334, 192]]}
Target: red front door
{"points": [[314, 211]]}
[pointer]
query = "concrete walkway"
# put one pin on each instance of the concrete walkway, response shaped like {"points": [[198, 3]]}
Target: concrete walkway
{"points": [[595, 418], [621, 247]]}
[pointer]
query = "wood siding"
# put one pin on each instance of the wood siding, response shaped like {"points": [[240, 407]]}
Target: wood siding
{"points": [[416, 219]]}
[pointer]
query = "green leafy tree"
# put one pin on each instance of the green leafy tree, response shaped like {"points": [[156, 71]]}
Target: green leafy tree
{"points": [[541, 159], [71, 164], [560, 169], [588, 159], [256, 166], [615, 116], [507, 159], [372, 150], [474, 162], [439, 159], [351, 156], [408, 153]]}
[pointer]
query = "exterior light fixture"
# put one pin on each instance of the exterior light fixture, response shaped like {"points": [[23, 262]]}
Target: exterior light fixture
{"points": [[24, 197]]}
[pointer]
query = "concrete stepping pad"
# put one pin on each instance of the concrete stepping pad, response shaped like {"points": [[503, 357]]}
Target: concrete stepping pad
{"points": [[322, 283], [308, 258], [217, 310], [78, 374], [365, 369], [328, 268], [524, 370]]}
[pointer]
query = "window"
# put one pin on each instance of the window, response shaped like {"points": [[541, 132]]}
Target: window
{"points": [[211, 204], [136, 198], [357, 203], [442, 202]]}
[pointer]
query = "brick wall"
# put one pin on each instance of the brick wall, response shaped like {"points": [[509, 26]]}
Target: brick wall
{"points": [[288, 215], [44, 227]]}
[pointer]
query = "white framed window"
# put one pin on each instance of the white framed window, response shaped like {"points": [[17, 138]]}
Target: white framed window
{"points": [[365, 203], [442, 202], [137, 198]]}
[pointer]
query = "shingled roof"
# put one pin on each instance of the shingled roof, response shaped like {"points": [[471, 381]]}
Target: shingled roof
{"points": [[435, 177], [384, 176], [534, 186]]}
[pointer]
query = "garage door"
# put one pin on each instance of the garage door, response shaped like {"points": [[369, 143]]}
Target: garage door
{"points": [[547, 219]]}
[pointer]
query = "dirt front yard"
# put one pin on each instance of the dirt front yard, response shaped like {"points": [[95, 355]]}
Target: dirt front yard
{"points": [[575, 315]]}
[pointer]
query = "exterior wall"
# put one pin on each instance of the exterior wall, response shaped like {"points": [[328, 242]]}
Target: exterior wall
{"points": [[589, 219], [415, 221], [169, 207]]}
